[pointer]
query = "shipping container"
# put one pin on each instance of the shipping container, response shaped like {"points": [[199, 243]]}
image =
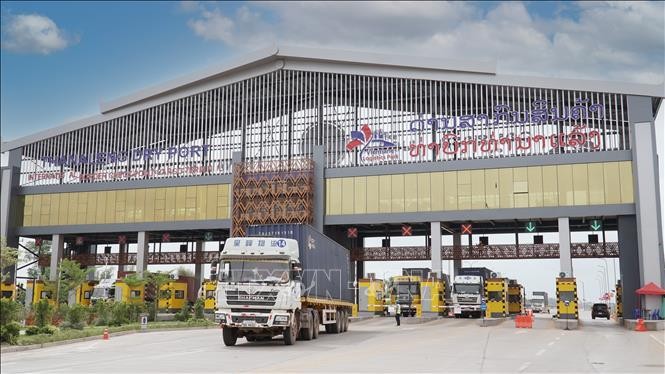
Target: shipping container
{"points": [[325, 262]]}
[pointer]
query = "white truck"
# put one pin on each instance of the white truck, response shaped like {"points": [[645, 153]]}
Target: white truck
{"points": [[467, 295], [282, 280]]}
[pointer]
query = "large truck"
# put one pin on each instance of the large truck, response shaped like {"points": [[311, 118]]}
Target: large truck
{"points": [[284, 279], [405, 291], [468, 291]]}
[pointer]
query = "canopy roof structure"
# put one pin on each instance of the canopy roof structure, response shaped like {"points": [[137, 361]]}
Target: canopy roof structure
{"points": [[650, 289], [332, 61]]}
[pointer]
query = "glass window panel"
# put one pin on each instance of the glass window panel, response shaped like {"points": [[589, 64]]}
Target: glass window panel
{"points": [[180, 201], [478, 189], [581, 184], [347, 195], [565, 184], [55, 209], [450, 190], [596, 188], [91, 211], [360, 194], [437, 191], [612, 183], [211, 202], [149, 212], [410, 192], [535, 176], [335, 192], [506, 185], [139, 207], [385, 195], [169, 210], [550, 190], [424, 197], [492, 188], [397, 193], [101, 207], [626, 176], [372, 194]]}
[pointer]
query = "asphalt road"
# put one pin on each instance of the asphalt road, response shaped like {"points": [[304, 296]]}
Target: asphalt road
{"points": [[377, 345]]}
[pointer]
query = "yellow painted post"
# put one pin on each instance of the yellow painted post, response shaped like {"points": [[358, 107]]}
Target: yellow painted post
{"points": [[566, 290], [496, 297]]}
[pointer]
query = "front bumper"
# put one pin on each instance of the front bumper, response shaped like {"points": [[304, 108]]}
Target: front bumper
{"points": [[253, 321]]}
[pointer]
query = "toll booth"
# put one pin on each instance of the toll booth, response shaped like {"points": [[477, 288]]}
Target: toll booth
{"points": [[8, 291], [370, 296], [496, 297], [515, 297], [566, 290], [433, 297], [172, 296], [618, 295], [36, 290], [209, 296], [132, 295]]}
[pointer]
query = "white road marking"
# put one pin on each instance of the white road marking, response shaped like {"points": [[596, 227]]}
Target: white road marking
{"points": [[557, 338], [520, 332], [550, 344], [524, 366], [540, 353], [656, 339]]}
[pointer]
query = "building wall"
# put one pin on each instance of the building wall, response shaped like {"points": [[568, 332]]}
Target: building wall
{"points": [[169, 204], [491, 188]]}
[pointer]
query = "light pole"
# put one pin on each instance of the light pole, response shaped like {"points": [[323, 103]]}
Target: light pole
{"points": [[604, 280], [607, 276]]}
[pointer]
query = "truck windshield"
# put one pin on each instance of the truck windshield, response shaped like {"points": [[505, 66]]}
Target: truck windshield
{"points": [[256, 271], [407, 289], [467, 288]]}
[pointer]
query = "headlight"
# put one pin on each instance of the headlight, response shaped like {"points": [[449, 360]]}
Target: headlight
{"points": [[281, 320], [220, 317]]}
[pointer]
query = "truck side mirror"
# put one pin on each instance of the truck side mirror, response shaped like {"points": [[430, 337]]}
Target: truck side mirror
{"points": [[296, 272]]}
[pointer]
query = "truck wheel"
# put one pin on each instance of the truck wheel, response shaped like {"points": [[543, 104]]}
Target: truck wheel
{"points": [[291, 332], [345, 321], [250, 338], [315, 325], [230, 336], [307, 333], [329, 328]]}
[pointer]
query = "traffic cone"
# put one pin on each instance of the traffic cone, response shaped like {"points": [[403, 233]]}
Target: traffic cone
{"points": [[640, 325], [106, 334]]}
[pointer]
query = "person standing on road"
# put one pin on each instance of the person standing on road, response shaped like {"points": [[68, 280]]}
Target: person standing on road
{"points": [[398, 313]]}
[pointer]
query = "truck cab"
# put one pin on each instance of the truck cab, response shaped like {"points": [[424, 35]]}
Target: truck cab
{"points": [[467, 295], [406, 292]]}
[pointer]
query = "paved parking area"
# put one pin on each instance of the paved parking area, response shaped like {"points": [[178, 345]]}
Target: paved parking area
{"points": [[377, 345]]}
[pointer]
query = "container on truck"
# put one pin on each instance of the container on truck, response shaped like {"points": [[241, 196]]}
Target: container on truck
{"points": [[284, 279]]}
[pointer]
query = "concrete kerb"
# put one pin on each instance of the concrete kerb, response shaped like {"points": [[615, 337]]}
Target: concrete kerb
{"points": [[361, 318], [20, 348], [490, 322]]}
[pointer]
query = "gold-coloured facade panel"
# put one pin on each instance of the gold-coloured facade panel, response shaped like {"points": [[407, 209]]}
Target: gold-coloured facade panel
{"points": [[127, 206], [504, 188]]}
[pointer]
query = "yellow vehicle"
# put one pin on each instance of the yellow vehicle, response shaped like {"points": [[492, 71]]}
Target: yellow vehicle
{"points": [[8, 290], [370, 296], [405, 291], [209, 291], [566, 291], [433, 296], [172, 296], [496, 297], [515, 298], [37, 290]]}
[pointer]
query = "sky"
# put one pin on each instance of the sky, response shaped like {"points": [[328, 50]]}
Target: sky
{"points": [[59, 60]]}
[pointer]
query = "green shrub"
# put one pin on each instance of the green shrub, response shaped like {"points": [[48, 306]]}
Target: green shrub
{"points": [[76, 317], [135, 311], [199, 308], [10, 311], [152, 311], [9, 332], [183, 314], [101, 312], [119, 314], [43, 313], [34, 330]]}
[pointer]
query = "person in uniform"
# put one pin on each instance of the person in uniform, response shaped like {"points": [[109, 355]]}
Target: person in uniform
{"points": [[398, 313]]}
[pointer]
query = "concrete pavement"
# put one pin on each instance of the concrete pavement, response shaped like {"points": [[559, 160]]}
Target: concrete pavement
{"points": [[450, 345]]}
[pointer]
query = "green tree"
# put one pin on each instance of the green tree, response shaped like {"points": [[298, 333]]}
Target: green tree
{"points": [[71, 276], [43, 313], [156, 281], [8, 258], [183, 271], [134, 280]]}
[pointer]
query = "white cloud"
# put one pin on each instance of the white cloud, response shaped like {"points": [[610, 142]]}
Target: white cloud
{"points": [[33, 33], [605, 40]]}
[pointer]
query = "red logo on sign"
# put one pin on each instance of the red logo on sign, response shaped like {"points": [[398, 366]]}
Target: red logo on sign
{"points": [[39, 242], [466, 228], [79, 240], [352, 232], [166, 237], [406, 230], [122, 239]]}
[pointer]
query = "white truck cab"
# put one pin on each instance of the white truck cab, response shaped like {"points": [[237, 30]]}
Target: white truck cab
{"points": [[467, 295]]}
